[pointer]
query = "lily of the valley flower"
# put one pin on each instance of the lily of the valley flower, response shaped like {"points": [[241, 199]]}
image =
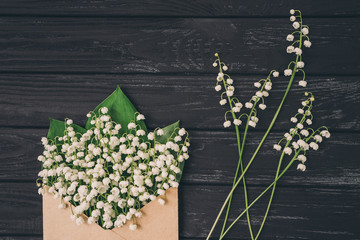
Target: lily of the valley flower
{"points": [[111, 176]]}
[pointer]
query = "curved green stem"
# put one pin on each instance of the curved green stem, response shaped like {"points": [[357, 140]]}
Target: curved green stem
{"points": [[271, 196], [257, 149], [236, 173], [258, 197], [240, 148], [262, 140], [271, 185], [280, 161], [245, 190], [240, 166]]}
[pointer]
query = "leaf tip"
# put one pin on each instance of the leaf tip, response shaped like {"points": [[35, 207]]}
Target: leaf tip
{"points": [[177, 123], [118, 88]]}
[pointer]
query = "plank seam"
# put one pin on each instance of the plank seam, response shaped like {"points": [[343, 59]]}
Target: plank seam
{"points": [[175, 16], [217, 130], [180, 74], [219, 184]]}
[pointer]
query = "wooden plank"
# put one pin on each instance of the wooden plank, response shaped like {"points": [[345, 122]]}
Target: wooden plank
{"points": [[296, 213], [30, 99], [213, 159], [308, 213], [26, 237], [160, 45], [202, 8], [40, 237], [36, 237]]}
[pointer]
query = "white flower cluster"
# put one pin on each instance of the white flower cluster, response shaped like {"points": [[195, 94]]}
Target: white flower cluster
{"points": [[300, 139], [224, 83], [302, 31], [109, 176]]}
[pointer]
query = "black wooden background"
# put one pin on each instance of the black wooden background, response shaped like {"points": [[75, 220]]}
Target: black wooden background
{"points": [[61, 58]]}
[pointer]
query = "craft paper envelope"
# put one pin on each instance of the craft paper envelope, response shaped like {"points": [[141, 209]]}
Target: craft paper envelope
{"points": [[158, 222]]}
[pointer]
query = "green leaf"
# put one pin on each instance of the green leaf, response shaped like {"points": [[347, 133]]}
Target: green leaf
{"points": [[57, 129], [121, 110], [168, 131], [179, 175]]}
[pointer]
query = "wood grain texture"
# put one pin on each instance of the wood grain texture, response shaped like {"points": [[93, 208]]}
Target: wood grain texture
{"points": [[213, 159], [309, 213], [30, 99], [26, 237], [202, 8], [178, 45]]}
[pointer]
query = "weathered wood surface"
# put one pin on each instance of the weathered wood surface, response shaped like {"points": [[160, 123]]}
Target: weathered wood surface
{"points": [[27, 237], [178, 45], [212, 159], [30, 99], [185, 8], [307, 212]]}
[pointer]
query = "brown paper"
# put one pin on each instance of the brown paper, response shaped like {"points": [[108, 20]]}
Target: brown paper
{"points": [[158, 222]]}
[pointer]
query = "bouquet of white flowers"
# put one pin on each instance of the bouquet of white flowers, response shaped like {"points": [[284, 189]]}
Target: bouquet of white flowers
{"points": [[107, 171]]}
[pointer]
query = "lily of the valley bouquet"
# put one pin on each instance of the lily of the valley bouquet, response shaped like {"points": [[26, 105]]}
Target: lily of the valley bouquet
{"points": [[295, 144], [111, 173]]}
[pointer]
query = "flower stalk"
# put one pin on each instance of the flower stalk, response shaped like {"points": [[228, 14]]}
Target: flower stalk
{"points": [[240, 150], [252, 120]]}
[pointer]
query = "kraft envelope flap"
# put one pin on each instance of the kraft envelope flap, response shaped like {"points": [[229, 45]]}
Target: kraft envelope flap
{"points": [[158, 222]]}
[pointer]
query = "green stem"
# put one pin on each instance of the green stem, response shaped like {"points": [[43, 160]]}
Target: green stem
{"points": [[272, 195], [258, 197], [273, 184], [240, 164], [257, 149], [242, 168], [236, 173], [245, 190], [278, 169], [239, 150]]}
